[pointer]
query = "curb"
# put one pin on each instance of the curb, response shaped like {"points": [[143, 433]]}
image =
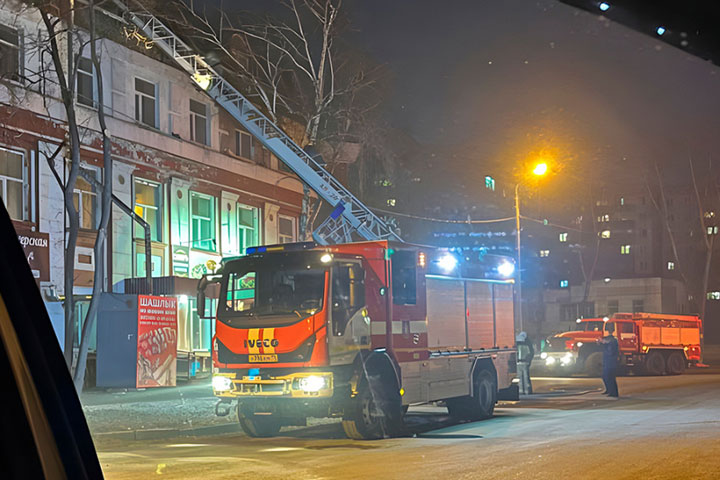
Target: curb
{"points": [[541, 396], [161, 433]]}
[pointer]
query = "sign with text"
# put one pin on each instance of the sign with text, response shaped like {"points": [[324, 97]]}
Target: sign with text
{"points": [[156, 341], [37, 251]]}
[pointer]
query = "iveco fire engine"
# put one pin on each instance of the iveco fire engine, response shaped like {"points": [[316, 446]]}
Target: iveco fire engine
{"points": [[649, 342], [360, 331]]}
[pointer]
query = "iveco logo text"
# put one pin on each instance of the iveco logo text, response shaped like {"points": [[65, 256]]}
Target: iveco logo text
{"points": [[261, 343]]}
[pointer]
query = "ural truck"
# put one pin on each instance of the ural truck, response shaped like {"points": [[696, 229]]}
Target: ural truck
{"points": [[649, 343], [359, 331]]}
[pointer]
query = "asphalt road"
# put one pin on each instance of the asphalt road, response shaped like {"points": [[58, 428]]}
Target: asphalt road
{"points": [[660, 428]]}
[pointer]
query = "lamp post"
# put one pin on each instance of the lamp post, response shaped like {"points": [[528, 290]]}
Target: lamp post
{"points": [[540, 169]]}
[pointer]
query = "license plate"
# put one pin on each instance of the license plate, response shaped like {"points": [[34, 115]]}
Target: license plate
{"points": [[263, 358]]}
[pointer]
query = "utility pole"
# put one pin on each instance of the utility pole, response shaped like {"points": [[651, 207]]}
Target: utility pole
{"points": [[519, 257]]}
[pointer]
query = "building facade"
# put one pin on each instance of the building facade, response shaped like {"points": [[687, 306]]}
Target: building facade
{"points": [[205, 186]]}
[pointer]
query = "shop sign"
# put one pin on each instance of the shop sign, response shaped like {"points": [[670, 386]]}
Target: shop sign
{"points": [[157, 341], [36, 246]]}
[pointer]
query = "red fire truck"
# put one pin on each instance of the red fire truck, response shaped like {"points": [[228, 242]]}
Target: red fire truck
{"points": [[360, 331], [649, 343]]}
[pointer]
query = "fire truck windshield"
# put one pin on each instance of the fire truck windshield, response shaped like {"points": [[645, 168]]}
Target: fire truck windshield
{"points": [[272, 290]]}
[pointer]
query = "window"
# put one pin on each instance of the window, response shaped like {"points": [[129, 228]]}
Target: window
{"points": [[243, 144], [671, 265], [198, 122], [391, 202], [643, 232], [12, 175], [11, 60], [612, 307], [85, 200], [594, 326], [403, 278], [622, 200], [638, 306], [241, 291], [563, 237], [626, 327], [148, 205], [248, 221], [544, 253], [286, 229], [603, 218], [348, 294], [625, 250], [713, 295], [490, 183], [712, 230], [86, 82], [202, 214], [145, 103], [605, 234], [564, 284]]}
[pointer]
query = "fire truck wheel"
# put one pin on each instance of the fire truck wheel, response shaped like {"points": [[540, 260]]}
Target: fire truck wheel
{"points": [[373, 414], [675, 364], [594, 364], [655, 363], [485, 394], [259, 426]]}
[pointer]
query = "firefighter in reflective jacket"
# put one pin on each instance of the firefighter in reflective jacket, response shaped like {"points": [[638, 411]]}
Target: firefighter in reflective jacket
{"points": [[610, 361], [525, 354]]}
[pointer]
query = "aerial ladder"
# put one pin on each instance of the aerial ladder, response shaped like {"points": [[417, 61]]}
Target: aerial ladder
{"points": [[349, 218]]}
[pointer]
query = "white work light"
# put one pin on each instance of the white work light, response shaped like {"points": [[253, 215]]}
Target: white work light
{"points": [[506, 269], [221, 384]]}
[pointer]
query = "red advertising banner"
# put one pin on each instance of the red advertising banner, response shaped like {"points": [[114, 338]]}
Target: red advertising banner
{"points": [[157, 341]]}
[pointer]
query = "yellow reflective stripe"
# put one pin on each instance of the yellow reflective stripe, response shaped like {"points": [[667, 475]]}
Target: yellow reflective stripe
{"points": [[269, 335], [253, 336]]}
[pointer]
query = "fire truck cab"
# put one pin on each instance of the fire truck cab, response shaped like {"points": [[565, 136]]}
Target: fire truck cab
{"points": [[359, 331]]}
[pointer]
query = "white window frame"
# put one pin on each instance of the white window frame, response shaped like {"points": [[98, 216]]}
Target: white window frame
{"points": [[563, 236], [23, 181], [213, 221], [193, 121], [159, 209], [138, 103], [84, 195], [93, 83], [282, 238], [238, 144], [20, 52], [243, 230]]}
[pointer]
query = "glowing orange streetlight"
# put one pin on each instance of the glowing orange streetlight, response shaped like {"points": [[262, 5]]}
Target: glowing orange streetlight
{"points": [[540, 169]]}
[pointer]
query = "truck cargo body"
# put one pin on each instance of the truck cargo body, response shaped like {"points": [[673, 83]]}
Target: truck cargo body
{"points": [[649, 343], [360, 331]]}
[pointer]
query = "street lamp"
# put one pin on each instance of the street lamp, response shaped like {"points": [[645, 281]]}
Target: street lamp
{"points": [[539, 170]]}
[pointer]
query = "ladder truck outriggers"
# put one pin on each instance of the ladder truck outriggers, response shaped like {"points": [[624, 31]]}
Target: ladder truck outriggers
{"points": [[357, 324]]}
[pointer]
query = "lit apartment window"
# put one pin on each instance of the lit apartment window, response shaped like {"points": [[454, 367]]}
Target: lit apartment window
{"points": [[391, 202], [86, 83], [286, 229], [712, 230], [148, 205], [202, 215], [544, 253], [671, 265], [12, 174], [713, 295], [145, 103], [10, 54], [243, 144], [248, 227], [490, 183], [563, 237], [622, 200], [198, 122], [625, 249], [85, 200], [564, 283], [605, 234], [603, 218]]}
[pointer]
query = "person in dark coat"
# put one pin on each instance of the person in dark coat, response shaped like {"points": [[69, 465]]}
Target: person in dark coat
{"points": [[610, 361], [525, 353]]}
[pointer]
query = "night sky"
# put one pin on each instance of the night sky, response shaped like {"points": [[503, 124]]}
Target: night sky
{"points": [[495, 81]]}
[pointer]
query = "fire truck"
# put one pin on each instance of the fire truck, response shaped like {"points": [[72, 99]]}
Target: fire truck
{"points": [[649, 343], [359, 331]]}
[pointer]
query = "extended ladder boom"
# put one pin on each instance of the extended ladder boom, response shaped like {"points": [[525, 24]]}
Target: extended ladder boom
{"points": [[349, 215]]}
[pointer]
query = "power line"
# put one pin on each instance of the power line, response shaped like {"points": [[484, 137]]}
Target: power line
{"points": [[441, 220]]}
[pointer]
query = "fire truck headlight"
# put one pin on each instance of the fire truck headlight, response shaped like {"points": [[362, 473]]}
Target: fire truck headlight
{"points": [[506, 269], [313, 383], [543, 355], [550, 361], [221, 384], [566, 359]]}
